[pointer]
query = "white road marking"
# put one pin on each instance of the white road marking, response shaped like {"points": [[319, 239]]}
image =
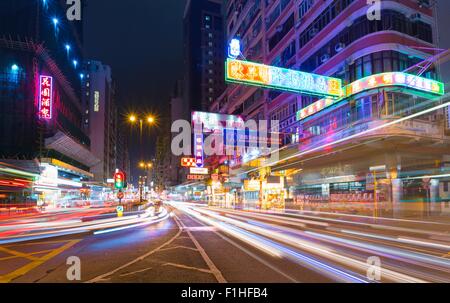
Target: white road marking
{"points": [[214, 270]]}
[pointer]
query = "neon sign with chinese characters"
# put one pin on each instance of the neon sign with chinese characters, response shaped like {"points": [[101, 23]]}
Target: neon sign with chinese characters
{"points": [[198, 137], [315, 108], [374, 82], [250, 73], [395, 79], [45, 97]]}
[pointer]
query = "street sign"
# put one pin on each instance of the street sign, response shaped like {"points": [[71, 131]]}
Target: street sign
{"points": [[120, 195], [119, 209]]}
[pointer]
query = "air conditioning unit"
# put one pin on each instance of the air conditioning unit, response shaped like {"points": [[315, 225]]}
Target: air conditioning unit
{"points": [[298, 24], [415, 17], [339, 47], [325, 58]]}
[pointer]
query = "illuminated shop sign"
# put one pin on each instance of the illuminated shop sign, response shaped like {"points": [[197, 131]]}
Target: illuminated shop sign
{"points": [[45, 97], [234, 49], [214, 122], [188, 162], [196, 177], [96, 101], [198, 171], [395, 79], [374, 82], [315, 108], [198, 149], [250, 73]]}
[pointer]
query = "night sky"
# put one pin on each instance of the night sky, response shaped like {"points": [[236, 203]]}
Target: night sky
{"points": [[142, 41]]}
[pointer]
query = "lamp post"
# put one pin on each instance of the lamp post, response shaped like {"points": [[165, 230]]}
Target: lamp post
{"points": [[149, 119], [146, 166]]}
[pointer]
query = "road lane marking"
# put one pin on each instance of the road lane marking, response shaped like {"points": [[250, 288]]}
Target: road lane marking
{"points": [[30, 254], [36, 262], [188, 267], [214, 270], [103, 276], [19, 254], [134, 272], [179, 246], [251, 254]]}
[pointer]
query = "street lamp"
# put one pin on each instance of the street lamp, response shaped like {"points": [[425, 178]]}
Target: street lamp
{"points": [[151, 120]]}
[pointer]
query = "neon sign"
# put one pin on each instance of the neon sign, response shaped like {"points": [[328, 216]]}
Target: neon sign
{"points": [[315, 108], [395, 79], [198, 137], [45, 97], [250, 73], [234, 49], [374, 82]]}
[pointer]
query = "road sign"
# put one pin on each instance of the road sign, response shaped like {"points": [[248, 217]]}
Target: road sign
{"points": [[120, 195], [119, 209]]}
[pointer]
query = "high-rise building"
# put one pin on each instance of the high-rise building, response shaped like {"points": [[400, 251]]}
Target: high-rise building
{"points": [[41, 108], [100, 118], [338, 38], [203, 52]]}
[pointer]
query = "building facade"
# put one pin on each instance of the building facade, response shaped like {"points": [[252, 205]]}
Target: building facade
{"points": [[203, 52], [41, 108], [100, 118], [327, 159]]}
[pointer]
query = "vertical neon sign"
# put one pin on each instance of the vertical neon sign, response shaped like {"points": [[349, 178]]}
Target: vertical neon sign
{"points": [[198, 137], [45, 97]]}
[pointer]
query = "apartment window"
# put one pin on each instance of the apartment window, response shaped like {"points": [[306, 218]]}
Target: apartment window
{"points": [[207, 18], [304, 7], [446, 186]]}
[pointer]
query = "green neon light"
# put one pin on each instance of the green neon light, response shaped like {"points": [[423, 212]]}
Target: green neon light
{"points": [[246, 72]]}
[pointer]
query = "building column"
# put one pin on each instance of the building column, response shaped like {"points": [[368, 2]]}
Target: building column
{"points": [[435, 205], [397, 194]]}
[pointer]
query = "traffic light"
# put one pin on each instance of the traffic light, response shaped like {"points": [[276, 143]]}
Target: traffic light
{"points": [[119, 180]]}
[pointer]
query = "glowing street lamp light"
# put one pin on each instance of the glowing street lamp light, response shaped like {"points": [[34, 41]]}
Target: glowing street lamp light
{"points": [[151, 119], [132, 118], [14, 67]]}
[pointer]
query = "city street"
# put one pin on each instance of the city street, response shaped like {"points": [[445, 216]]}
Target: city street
{"points": [[200, 244]]}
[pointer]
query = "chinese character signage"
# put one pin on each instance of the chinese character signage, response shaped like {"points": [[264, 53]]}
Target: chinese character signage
{"points": [[45, 97], [198, 137], [216, 122], [374, 82], [196, 177], [250, 73], [395, 79]]}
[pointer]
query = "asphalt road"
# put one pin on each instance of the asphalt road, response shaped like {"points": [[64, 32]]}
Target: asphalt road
{"points": [[199, 244]]}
